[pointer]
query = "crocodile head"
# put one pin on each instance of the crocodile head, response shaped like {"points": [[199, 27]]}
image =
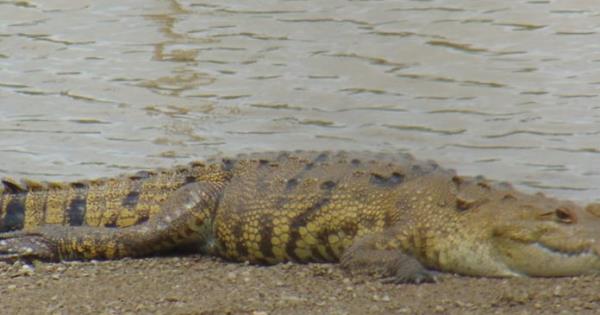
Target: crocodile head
{"points": [[502, 232], [549, 240]]}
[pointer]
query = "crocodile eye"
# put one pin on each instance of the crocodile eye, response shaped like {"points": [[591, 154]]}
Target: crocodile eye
{"points": [[565, 215], [561, 215]]}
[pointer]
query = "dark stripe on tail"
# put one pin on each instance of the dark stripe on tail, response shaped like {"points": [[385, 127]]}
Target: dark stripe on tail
{"points": [[76, 211], [78, 204], [15, 214], [132, 198]]}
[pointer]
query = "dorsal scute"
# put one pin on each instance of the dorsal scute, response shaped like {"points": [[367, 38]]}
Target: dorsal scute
{"points": [[14, 186], [58, 185], [82, 184], [194, 164], [142, 175], [96, 181], [33, 185]]}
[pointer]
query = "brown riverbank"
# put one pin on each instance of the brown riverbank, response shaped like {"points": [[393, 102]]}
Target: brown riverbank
{"points": [[197, 285]]}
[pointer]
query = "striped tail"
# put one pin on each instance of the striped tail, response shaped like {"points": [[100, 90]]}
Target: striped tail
{"points": [[111, 202]]}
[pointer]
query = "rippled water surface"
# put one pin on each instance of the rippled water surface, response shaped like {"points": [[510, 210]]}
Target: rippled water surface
{"points": [[506, 89]]}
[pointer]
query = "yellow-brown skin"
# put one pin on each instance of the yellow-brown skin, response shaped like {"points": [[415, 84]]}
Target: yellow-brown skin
{"points": [[385, 214], [118, 202]]}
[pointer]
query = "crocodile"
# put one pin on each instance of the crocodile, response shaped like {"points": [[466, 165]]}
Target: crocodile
{"points": [[388, 215]]}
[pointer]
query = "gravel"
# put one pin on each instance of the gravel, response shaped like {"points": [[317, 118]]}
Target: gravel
{"points": [[200, 285]]}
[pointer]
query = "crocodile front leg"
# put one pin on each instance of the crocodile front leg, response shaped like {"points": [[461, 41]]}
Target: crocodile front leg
{"points": [[376, 255], [185, 218]]}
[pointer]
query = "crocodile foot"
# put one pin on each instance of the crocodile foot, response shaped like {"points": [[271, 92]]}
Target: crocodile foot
{"points": [[398, 269], [392, 265], [416, 276]]}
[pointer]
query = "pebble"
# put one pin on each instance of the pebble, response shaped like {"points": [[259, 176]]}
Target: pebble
{"points": [[557, 290], [281, 292]]}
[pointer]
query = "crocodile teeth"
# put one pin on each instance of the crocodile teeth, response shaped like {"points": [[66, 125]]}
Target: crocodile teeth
{"points": [[594, 250]]}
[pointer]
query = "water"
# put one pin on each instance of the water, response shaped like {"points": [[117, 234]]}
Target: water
{"points": [[505, 89]]}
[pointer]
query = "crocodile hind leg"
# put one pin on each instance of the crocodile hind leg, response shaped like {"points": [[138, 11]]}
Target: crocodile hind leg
{"points": [[376, 255], [184, 219]]}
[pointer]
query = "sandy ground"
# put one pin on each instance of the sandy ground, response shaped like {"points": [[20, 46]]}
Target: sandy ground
{"points": [[199, 285]]}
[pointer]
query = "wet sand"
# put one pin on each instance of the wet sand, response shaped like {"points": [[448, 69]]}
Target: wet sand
{"points": [[201, 285]]}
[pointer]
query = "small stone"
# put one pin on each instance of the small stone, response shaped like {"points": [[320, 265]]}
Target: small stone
{"points": [[27, 270], [589, 306], [557, 290], [375, 309], [171, 299], [293, 298]]}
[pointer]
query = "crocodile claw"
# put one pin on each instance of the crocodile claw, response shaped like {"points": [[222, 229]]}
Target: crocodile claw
{"points": [[423, 276], [26, 246]]}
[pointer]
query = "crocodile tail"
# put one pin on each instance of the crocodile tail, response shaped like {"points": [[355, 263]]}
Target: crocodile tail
{"points": [[110, 202], [27, 204], [16, 200]]}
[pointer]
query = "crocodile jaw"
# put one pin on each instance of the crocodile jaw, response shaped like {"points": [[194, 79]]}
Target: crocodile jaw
{"points": [[545, 259]]}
